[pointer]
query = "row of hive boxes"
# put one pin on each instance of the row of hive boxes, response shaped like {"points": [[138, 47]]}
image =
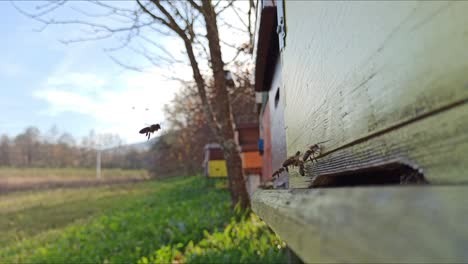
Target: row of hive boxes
{"points": [[251, 163]]}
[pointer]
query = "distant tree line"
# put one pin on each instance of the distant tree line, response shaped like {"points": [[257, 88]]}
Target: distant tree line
{"points": [[52, 149]]}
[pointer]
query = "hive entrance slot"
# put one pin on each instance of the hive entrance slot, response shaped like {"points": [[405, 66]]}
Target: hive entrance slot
{"points": [[394, 173]]}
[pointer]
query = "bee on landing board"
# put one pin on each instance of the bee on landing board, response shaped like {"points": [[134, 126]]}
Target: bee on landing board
{"points": [[292, 161], [150, 129], [267, 185], [277, 173], [312, 151], [300, 164]]}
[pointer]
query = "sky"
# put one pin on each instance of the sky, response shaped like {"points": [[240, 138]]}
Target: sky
{"points": [[75, 87]]}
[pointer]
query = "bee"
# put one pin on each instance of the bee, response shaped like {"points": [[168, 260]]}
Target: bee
{"points": [[313, 149], [278, 172], [300, 164], [267, 185], [291, 161], [150, 129], [412, 178]]}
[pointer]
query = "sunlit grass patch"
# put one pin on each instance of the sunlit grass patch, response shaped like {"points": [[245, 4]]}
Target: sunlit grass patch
{"points": [[247, 240], [129, 224]]}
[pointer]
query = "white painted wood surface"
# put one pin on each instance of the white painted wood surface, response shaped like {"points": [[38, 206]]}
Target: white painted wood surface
{"points": [[352, 69], [437, 145]]}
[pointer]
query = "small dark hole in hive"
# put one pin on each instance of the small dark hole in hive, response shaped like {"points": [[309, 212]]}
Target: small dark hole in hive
{"points": [[387, 174], [277, 97]]}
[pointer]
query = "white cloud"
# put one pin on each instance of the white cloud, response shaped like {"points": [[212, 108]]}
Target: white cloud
{"points": [[117, 103], [86, 82]]}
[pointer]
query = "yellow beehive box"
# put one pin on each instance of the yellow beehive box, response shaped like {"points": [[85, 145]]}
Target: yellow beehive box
{"points": [[217, 168]]}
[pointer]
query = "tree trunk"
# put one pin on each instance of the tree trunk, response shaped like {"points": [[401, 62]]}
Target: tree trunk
{"points": [[223, 111], [220, 119]]}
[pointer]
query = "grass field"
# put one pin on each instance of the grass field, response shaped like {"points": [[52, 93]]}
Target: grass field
{"points": [[30, 178], [181, 220], [68, 173]]}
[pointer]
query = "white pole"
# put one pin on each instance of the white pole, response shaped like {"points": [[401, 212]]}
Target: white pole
{"points": [[98, 164]]}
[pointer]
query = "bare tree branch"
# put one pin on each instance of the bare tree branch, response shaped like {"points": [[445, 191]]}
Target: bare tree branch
{"points": [[125, 65], [152, 58], [162, 48], [107, 14], [230, 3], [155, 17], [229, 44], [114, 8], [54, 5], [239, 51], [177, 13], [194, 5], [224, 23], [84, 39], [172, 23], [239, 17], [169, 32], [205, 50], [124, 43]]}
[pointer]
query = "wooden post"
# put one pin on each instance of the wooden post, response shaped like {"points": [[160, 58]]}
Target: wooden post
{"points": [[98, 164]]}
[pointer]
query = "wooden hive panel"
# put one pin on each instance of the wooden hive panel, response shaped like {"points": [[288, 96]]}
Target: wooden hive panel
{"points": [[353, 71]]}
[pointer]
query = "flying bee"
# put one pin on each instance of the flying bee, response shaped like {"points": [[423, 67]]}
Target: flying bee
{"points": [[291, 161], [150, 129], [313, 149]]}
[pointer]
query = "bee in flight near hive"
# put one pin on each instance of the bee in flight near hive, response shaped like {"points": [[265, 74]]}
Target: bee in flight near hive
{"points": [[150, 129], [312, 151]]}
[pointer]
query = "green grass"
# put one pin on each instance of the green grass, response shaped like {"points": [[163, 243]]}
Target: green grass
{"points": [[181, 219], [25, 214], [246, 240]]}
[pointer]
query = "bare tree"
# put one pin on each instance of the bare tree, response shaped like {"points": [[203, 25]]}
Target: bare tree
{"points": [[188, 123], [197, 25]]}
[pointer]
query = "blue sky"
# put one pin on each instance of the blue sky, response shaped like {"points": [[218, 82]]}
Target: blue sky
{"points": [[76, 87]]}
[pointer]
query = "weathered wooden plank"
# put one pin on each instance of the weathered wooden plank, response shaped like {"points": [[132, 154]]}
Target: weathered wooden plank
{"points": [[354, 69], [387, 224], [436, 145]]}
